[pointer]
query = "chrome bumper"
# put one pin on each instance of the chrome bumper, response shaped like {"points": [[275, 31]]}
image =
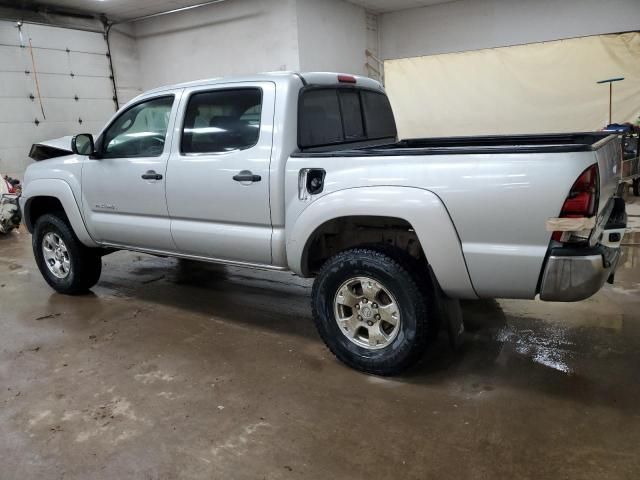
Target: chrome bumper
{"points": [[576, 274]]}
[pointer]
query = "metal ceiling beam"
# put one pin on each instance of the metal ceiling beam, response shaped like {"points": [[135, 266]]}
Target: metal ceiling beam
{"points": [[175, 10], [41, 15]]}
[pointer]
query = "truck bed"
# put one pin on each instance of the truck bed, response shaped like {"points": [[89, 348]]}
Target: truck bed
{"points": [[481, 181], [542, 143]]}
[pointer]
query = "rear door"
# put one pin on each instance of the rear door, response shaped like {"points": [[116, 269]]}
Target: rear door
{"points": [[123, 189], [218, 174]]}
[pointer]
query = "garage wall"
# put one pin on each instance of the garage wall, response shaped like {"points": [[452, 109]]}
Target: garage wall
{"points": [[54, 82], [476, 24], [126, 62], [230, 38], [534, 88], [332, 36]]}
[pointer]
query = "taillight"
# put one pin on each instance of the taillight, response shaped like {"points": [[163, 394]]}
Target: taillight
{"points": [[582, 200], [346, 79]]}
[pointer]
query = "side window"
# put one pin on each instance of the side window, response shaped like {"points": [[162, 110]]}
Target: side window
{"points": [[140, 131], [222, 121]]}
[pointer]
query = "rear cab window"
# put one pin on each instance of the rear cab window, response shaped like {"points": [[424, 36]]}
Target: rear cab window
{"points": [[332, 116]]}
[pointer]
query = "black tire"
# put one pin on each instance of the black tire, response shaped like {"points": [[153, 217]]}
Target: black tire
{"points": [[636, 187], [412, 294], [85, 263]]}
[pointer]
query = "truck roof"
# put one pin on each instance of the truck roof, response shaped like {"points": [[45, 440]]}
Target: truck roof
{"points": [[311, 78]]}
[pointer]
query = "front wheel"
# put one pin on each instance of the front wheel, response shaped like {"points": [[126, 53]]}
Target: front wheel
{"points": [[636, 187], [66, 264], [372, 312]]}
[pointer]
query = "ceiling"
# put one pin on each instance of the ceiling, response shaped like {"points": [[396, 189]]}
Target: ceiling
{"points": [[382, 6], [127, 9], [119, 9]]}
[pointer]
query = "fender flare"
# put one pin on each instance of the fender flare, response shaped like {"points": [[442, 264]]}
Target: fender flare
{"points": [[421, 208], [60, 190]]}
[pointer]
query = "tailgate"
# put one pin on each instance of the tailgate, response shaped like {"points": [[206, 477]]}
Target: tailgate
{"points": [[609, 157], [575, 269], [611, 219]]}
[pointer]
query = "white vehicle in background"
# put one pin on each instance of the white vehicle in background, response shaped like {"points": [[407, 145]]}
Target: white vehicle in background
{"points": [[9, 209], [305, 173]]}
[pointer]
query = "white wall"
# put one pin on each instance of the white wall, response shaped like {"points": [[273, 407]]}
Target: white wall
{"points": [[476, 24], [126, 62], [230, 38], [238, 37], [332, 36]]}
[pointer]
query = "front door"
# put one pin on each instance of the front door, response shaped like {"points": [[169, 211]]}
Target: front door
{"points": [[123, 188], [218, 173]]}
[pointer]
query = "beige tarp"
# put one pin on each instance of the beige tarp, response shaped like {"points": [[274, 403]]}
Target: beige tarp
{"points": [[541, 87]]}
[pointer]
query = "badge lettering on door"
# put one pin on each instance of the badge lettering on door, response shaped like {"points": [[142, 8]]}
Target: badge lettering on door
{"points": [[105, 206]]}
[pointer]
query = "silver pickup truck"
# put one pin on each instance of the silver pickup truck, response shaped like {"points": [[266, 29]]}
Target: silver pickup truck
{"points": [[304, 172]]}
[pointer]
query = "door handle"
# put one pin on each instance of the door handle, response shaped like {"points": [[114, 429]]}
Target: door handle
{"points": [[151, 175], [246, 176]]}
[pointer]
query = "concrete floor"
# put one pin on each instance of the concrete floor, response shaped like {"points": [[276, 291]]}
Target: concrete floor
{"points": [[170, 370]]}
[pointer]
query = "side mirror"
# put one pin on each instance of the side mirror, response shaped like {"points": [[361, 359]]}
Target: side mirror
{"points": [[82, 144]]}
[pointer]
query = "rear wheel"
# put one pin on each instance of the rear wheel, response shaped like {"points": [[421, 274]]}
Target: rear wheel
{"points": [[636, 187], [372, 312], [66, 264]]}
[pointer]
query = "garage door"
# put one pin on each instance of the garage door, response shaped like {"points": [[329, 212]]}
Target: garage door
{"points": [[544, 87], [55, 82]]}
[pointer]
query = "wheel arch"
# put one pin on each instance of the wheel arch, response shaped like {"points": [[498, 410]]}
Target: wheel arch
{"points": [[49, 196], [351, 231], [35, 207], [418, 211]]}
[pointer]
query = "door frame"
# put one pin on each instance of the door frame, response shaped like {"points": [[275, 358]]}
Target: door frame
{"points": [[89, 210], [266, 136]]}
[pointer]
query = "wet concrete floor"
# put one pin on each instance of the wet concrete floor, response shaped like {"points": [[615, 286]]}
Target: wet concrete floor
{"points": [[178, 370]]}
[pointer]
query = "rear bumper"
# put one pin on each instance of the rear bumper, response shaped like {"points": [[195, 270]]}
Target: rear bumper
{"points": [[575, 274]]}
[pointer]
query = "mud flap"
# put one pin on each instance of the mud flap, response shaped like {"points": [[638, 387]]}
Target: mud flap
{"points": [[450, 313]]}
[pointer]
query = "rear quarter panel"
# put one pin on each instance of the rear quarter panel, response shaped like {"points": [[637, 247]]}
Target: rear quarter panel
{"points": [[498, 204]]}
